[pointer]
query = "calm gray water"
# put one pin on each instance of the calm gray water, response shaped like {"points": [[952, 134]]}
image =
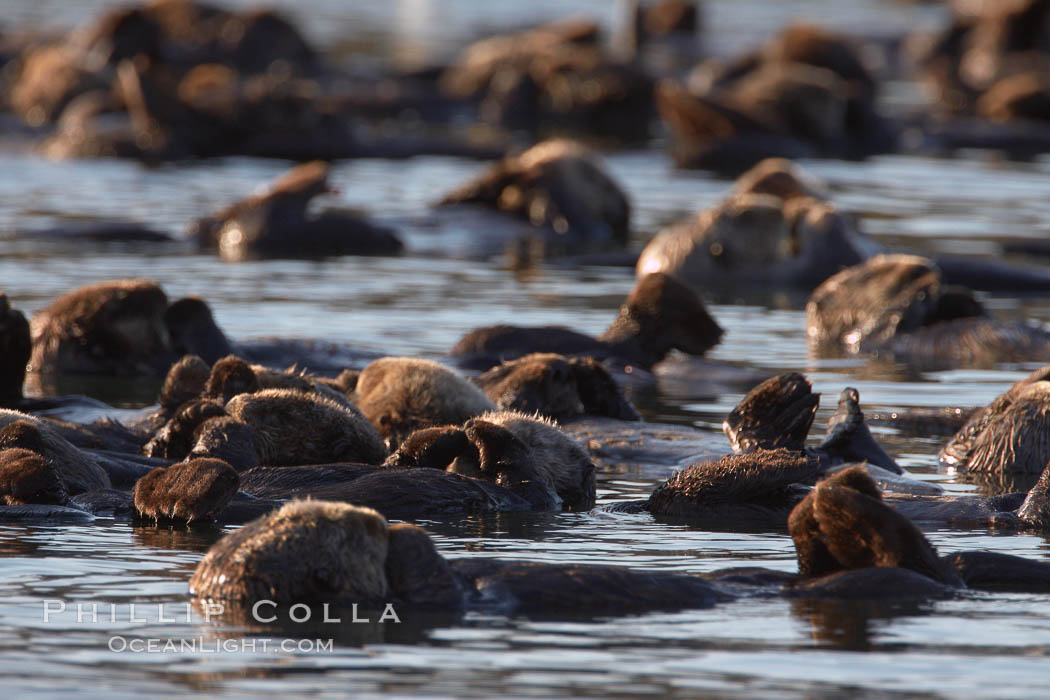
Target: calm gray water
{"points": [[993, 645]]}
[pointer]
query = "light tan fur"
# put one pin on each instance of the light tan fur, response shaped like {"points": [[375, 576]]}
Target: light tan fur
{"points": [[293, 428]]}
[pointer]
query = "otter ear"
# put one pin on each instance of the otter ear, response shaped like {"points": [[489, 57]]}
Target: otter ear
{"points": [[499, 449], [433, 448], [599, 393]]}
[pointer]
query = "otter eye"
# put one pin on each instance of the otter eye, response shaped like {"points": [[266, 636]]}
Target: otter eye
{"points": [[716, 250]]}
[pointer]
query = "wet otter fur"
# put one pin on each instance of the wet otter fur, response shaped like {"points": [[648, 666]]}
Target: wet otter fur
{"points": [[399, 395], [184, 382], [176, 438], [899, 306], [292, 428], [193, 490], [759, 485], [224, 438], [27, 478], [357, 557], [276, 224], [105, 328], [1009, 435], [78, 470], [756, 239], [346, 545], [779, 412], [659, 315], [556, 386], [555, 457], [843, 524]]}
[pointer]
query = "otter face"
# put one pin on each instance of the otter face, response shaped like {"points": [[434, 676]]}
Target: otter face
{"points": [[307, 551], [193, 490], [229, 377]]}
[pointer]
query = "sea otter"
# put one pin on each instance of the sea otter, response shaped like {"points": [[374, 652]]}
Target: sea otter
{"points": [[1008, 436], [123, 327], [805, 93], [560, 191], [660, 314], [276, 224], [899, 306], [556, 386], [528, 454], [399, 395], [356, 557], [193, 490]]}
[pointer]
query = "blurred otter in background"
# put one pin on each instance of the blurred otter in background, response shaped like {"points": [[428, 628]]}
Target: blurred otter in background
{"points": [[899, 306], [560, 191], [805, 93], [276, 225], [554, 78]]}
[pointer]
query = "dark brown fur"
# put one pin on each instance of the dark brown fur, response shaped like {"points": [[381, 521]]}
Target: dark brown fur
{"points": [[843, 524], [15, 349], [777, 413], [193, 490], [26, 478]]}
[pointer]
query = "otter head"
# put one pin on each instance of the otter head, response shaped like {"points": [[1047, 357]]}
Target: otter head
{"points": [[777, 413], [540, 382], [306, 551], [130, 319], [662, 314], [843, 524], [778, 177], [599, 392], [15, 347], [229, 377], [193, 490], [184, 382], [193, 330], [431, 448], [28, 478]]}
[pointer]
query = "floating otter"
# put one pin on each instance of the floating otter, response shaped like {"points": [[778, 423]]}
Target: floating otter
{"points": [[192, 490], [292, 428], [556, 386], [805, 93], [772, 231], [553, 78], [561, 189], [123, 327], [526, 454], [27, 478], [276, 224], [356, 557], [1008, 436], [402, 394], [78, 470], [899, 306], [660, 314]]}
